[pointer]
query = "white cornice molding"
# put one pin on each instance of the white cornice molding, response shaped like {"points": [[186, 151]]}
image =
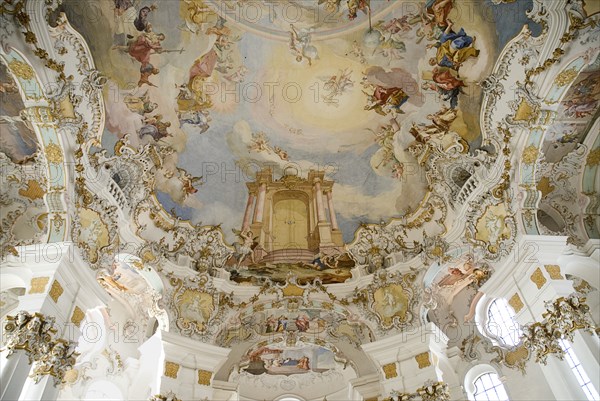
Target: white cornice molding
{"points": [[529, 252], [193, 354], [407, 344]]}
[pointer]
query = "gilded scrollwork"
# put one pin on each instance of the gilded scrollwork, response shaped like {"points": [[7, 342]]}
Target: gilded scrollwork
{"points": [[562, 318], [196, 305], [59, 357], [491, 227], [29, 332], [170, 396], [430, 391], [391, 299]]}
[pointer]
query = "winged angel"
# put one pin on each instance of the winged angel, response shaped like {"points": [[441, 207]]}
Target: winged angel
{"points": [[336, 85]]}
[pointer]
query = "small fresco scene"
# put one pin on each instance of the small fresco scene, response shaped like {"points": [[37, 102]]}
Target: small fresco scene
{"points": [[276, 360], [293, 123], [17, 138], [124, 276], [389, 302], [277, 321], [577, 113]]}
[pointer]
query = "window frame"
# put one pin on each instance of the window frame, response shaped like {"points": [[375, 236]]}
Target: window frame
{"points": [[475, 373], [483, 319]]}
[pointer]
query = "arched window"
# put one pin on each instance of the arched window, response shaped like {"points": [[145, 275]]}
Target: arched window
{"points": [[582, 378], [501, 324], [489, 387], [483, 383]]}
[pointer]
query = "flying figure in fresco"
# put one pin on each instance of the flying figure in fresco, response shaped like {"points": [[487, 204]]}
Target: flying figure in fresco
{"points": [[336, 85], [197, 14], [140, 104], [385, 100], [446, 83], [141, 48], [357, 52], [187, 182], [434, 18], [331, 6], [443, 118], [453, 48], [199, 119], [300, 45], [155, 127], [355, 5]]}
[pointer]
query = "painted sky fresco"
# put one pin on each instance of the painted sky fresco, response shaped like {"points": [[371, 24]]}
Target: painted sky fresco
{"points": [[344, 87], [17, 138]]}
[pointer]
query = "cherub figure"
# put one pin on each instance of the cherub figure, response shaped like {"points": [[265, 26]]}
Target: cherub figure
{"points": [[188, 181], [336, 85], [355, 5], [300, 45], [238, 75], [357, 52], [331, 6], [283, 155]]}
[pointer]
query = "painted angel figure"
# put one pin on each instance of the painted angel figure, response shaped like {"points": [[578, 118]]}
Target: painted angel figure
{"points": [[245, 247], [300, 45], [331, 6], [355, 5], [197, 15], [238, 75], [140, 104], [260, 143], [357, 51], [188, 181], [385, 100], [336, 85], [199, 119]]}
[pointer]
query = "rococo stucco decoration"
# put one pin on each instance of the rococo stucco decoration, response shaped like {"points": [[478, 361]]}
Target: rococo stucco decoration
{"points": [[283, 194]]}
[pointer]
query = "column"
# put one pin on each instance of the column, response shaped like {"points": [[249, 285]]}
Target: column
{"points": [[248, 212], [190, 367], [319, 196], [314, 208], [409, 359], [334, 224], [260, 203], [60, 288]]}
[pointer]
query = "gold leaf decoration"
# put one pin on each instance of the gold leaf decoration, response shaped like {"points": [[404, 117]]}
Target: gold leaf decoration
{"points": [[593, 158], [171, 369], [390, 370], [423, 360], [21, 69], [545, 187], [516, 303], [554, 272], [33, 191], [38, 285], [54, 153], [204, 377], [77, 316], [530, 154], [56, 291], [538, 278], [566, 77]]}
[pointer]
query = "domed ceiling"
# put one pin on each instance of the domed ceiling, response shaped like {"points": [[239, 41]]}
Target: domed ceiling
{"points": [[347, 93]]}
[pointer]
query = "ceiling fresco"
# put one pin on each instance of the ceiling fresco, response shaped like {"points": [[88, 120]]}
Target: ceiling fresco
{"points": [[291, 92], [17, 139], [576, 114]]}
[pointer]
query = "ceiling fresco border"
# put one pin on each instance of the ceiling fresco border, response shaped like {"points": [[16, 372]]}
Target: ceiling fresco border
{"points": [[44, 125]]}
